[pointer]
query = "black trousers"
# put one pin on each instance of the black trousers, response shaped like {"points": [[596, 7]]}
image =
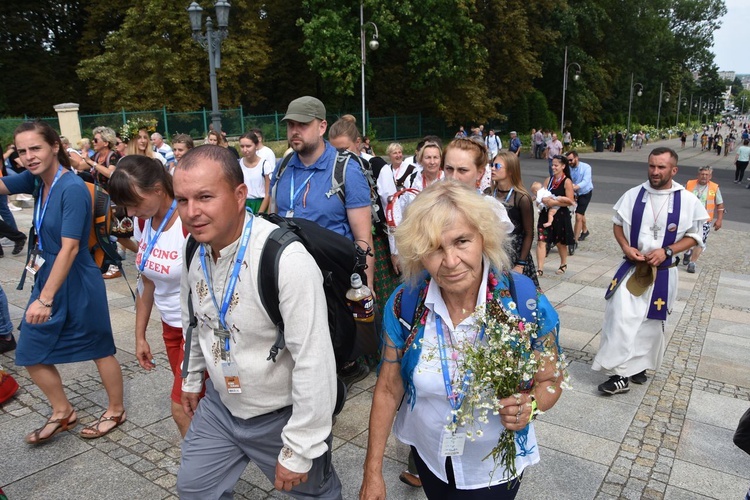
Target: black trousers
{"points": [[434, 488]]}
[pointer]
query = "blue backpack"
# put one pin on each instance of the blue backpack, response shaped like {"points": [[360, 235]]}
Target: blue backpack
{"points": [[522, 290]]}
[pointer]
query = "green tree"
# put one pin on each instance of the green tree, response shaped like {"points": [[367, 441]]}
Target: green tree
{"points": [[152, 61], [39, 41], [440, 57]]}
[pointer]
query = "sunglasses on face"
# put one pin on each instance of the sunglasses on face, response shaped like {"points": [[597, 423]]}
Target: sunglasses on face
{"points": [[497, 166]]}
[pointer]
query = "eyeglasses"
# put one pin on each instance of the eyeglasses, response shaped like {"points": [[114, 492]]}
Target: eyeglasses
{"points": [[497, 166], [118, 143], [95, 140]]}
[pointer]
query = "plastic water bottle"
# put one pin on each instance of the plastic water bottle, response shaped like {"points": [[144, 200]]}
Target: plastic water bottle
{"points": [[359, 300]]}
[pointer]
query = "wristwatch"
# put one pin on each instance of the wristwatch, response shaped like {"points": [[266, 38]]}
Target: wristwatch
{"points": [[668, 252]]}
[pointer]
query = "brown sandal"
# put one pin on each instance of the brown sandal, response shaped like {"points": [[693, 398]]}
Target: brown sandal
{"points": [[540, 273], [117, 419], [61, 425]]}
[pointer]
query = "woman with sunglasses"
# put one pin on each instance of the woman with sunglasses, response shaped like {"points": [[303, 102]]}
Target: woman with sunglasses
{"points": [[507, 187], [105, 158], [560, 233]]}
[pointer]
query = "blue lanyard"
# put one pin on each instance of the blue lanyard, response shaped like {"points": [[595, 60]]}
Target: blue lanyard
{"points": [[229, 288], [455, 400], [152, 241], [38, 218], [292, 194]]}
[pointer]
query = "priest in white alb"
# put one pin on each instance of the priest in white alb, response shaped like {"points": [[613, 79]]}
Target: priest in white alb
{"points": [[652, 223]]}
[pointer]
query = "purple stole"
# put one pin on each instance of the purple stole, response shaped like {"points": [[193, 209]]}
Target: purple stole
{"points": [[658, 303]]}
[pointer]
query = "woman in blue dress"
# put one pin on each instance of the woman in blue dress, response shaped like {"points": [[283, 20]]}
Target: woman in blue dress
{"points": [[68, 292]]}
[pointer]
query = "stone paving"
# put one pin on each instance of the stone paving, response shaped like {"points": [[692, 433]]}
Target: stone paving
{"points": [[670, 438]]}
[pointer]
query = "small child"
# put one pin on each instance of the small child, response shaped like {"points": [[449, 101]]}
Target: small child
{"points": [[540, 192]]}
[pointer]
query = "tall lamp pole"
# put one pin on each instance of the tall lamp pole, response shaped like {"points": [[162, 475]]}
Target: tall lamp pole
{"points": [[373, 44], [211, 41], [565, 86], [630, 103], [743, 98], [666, 99], [679, 102]]}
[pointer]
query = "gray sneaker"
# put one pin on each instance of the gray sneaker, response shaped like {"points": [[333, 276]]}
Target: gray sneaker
{"points": [[691, 268], [686, 258], [6, 242]]}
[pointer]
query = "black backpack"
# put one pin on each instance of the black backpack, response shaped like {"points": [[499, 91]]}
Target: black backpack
{"points": [[338, 258]]}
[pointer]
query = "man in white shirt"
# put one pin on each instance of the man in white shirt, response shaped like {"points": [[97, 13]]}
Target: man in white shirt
{"points": [[276, 414], [493, 143], [163, 148]]}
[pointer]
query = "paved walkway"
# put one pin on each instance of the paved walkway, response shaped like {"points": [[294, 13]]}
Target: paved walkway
{"points": [[670, 438]]}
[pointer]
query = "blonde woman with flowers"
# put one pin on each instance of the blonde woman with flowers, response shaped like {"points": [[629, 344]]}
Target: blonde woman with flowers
{"points": [[475, 368], [139, 139]]}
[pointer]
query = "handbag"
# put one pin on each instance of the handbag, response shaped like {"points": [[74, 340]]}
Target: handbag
{"points": [[742, 434], [8, 386]]}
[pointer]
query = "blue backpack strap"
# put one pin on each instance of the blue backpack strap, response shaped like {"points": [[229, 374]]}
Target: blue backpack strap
{"points": [[409, 299], [523, 291]]}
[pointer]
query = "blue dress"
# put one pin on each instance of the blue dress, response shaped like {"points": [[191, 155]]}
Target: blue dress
{"points": [[79, 328]]}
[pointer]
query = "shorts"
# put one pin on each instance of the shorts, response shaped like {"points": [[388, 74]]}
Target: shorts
{"points": [[583, 201], [175, 344]]}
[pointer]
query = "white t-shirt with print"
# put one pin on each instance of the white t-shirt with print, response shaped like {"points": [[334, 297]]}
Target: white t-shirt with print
{"points": [[164, 267]]}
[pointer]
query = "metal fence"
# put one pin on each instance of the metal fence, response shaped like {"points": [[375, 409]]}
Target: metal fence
{"points": [[235, 123]]}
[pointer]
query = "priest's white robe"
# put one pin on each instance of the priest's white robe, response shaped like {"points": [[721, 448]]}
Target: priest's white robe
{"points": [[630, 342]]}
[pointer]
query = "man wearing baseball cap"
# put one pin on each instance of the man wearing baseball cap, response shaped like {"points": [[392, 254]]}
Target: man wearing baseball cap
{"points": [[302, 189]]}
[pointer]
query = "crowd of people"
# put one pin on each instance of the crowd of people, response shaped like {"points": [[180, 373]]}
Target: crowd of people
{"points": [[454, 236]]}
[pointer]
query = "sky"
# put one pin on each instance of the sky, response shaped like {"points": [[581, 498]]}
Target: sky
{"points": [[729, 39]]}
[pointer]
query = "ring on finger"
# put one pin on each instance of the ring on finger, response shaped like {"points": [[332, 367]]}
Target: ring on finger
{"points": [[516, 418]]}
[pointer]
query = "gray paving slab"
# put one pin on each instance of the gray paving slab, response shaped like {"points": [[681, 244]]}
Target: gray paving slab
{"points": [[348, 462], [729, 328], [23, 459], [88, 475], [592, 414], [715, 409], [711, 447], [706, 482], [733, 296], [575, 339], [575, 443], [674, 493], [146, 397], [561, 476]]}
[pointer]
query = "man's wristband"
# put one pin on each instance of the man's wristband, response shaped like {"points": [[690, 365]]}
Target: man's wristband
{"points": [[45, 304]]}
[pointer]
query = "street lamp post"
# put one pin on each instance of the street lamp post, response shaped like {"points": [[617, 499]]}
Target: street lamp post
{"points": [[211, 41], [666, 99], [373, 44], [743, 98], [630, 103], [565, 86]]}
